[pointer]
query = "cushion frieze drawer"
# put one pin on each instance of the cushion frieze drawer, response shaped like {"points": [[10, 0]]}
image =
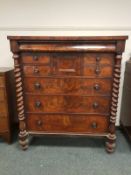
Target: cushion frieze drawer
{"points": [[73, 104], [71, 123], [68, 86]]}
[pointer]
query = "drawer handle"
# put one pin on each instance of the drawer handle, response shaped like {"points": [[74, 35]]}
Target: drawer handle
{"points": [[67, 70], [37, 85], [37, 104], [94, 125], [97, 87], [36, 70], [39, 123], [95, 105], [98, 58], [35, 58], [97, 71]]}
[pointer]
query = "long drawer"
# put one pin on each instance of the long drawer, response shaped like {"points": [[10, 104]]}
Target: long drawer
{"points": [[67, 123], [68, 86], [71, 104]]}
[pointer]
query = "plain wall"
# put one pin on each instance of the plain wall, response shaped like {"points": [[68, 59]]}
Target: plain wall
{"points": [[64, 17]]}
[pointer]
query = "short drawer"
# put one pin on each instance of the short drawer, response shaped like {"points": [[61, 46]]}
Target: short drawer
{"points": [[81, 86], [98, 71], [2, 82], [70, 104], [35, 70], [35, 58], [99, 58], [67, 123]]}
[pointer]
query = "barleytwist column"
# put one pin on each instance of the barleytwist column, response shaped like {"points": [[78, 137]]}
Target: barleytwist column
{"points": [[111, 142], [20, 104]]}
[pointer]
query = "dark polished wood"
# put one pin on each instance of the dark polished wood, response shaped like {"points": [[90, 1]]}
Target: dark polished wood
{"points": [[7, 109], [67, 85]]}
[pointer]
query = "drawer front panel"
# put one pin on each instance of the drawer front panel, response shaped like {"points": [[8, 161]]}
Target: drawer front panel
{"points": [[67, 123], [3, 123], [2, 94], [36, 70], [67, 64], [74, 104], [101, 58], [35, 58], [98, 71], [68, 86], [2, 82]]}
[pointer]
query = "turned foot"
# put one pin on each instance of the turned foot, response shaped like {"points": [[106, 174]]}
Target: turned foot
{"points": [[23, 140], [111, 143]]}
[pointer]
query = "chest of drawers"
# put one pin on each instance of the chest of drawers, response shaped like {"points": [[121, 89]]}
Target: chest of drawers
{"points": [[6, 102], [67, 85]]}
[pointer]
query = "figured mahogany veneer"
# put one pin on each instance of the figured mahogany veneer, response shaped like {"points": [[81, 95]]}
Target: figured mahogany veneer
{"points": [[68, 123], [67, 85], [83, 86], [74, 104]]}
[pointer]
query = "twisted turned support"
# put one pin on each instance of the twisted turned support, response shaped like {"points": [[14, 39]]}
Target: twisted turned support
{"points": [[111, 138], [23, 140]]}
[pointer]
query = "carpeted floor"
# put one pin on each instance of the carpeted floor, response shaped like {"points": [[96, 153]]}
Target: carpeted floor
{"points": [[65, 156]]}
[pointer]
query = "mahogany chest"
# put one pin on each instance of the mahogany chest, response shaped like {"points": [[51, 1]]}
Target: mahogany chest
{"points": [[6, 104], [67, 85]]}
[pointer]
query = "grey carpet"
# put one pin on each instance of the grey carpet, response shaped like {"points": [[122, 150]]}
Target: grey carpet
{"points": [[65, 156]]}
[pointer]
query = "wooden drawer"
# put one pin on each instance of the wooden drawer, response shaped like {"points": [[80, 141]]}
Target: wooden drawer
{"points": [[101, 58], [68, 123], [67, 64], [3, 124], [2, 82], [2, 94], [68, 86], [71, 104], [98, 71], [35, 58], [36, 70]]}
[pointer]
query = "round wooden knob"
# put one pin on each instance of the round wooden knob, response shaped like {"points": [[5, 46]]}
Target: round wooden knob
{"points": [[94, 125], [37, 85], [35, 58], [97, 87], [95, 105], [39, 123], [98, 58], [97, 71], [37, 104], [36, 70]]}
